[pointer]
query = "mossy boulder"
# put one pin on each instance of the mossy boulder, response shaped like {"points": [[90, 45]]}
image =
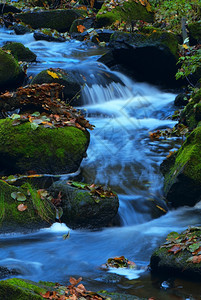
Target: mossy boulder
{"points": [[127, 11], [71, 88], [16, 288], [20, 52], [81, 209], [195, 32], [11, 74], [38, 214], [60, 19], [44, 150], [191, 114], [21, 29], [150, 57], [182, 172], [178, 256]]}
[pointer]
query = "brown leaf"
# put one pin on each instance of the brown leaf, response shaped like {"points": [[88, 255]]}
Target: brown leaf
{"points": [[22, 207], [196, 259], [46, 295], [74, 281], [175, 249]]}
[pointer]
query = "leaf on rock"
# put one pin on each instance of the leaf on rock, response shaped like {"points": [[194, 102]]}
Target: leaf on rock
{"points": [[194, 259], [175, 249], [52, 74], [22, 207], [18, 196], [81, 28]]}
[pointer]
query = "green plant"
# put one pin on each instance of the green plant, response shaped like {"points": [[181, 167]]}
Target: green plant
{"points": [[2, 206], [190, 63]]}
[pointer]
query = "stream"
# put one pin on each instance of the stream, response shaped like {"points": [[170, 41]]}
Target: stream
{"points": [[120, 155]]}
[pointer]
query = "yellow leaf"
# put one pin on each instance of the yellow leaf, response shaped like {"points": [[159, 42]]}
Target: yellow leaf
{"points": [[52, 74], [159, 207], [185, 46]]}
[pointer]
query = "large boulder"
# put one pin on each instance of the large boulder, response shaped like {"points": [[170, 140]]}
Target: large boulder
{"points": [[83, 208], [6, 8], [150, 57], [20, 52], [60, 19], [182, 172], [72, 87], [22, 209], [44, 150], [179, 255], [11, 74], [127, 11]]}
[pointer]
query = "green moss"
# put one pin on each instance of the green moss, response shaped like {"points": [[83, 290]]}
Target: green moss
{"points": [[191, 114], [187, 161], [20, 289], [14, 220], [130, 11], [43, 150], [10, 72], [20, 52]]}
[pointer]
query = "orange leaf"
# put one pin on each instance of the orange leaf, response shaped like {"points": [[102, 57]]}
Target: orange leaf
{"points": [[46, 295], [196, 259], [22, 207], [81, 28], [74, 281]]}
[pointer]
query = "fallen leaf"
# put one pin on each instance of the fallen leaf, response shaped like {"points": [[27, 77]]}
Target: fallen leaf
{"points": [[22, 207], [81, 28]]}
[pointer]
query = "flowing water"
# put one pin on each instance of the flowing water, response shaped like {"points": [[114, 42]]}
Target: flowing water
{"points": [[122, 156]]}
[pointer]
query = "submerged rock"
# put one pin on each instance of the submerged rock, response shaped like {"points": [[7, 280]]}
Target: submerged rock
{"points": [[38, 36], [127, 11], [182, 172], [147, 57], [179, 255], [11, 74], [71, 86], [60, 19], [20, 52], [44, 150], [81, 209], [34, 213]]}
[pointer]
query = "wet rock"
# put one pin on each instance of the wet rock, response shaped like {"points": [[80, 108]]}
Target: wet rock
{"points": [[6, 8], [195, 32], [181, 100], [82, 210], [44, 150], [60, 19], [11, 74], [20, 52], [148, 57], [191, 115], [102, 35], [38, 36], [7, 272], [87, 23], [125, 11], [164, 261], [38, 214], [182, 172], [21, 29], [71, 89]]}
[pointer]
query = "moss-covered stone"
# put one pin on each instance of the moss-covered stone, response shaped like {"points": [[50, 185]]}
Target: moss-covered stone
{"points": [[195, 32], [39, 213], [21, 289], [128, 12], [60, 19], [81, 209], [191, 115], [44, 150], [182, 172], [20, 52], [11, 74], [71, 86], [179, 263]]}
